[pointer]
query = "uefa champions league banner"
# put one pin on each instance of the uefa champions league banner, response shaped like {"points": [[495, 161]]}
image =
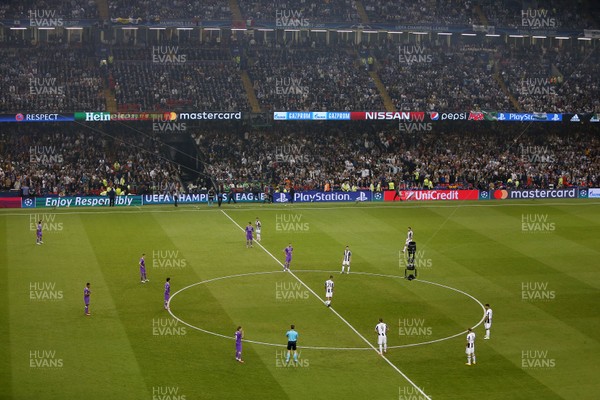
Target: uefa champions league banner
{"points": [[80, 201], [244, 197], [313, 196]]}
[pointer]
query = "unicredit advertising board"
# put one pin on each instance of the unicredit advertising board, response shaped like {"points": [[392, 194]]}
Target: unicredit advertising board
{"points": [[426, 195], [503, 194]]}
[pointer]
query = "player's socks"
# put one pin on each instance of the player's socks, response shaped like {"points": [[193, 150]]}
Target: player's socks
{"points": [[348, 270], [474, 361], [295, 357], [287, 358]]}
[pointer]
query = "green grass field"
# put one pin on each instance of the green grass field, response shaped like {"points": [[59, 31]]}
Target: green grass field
{"points": [[536, 263]]}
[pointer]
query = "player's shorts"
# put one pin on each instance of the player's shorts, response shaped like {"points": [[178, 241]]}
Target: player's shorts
{"points": [[382, 339], [258, 231], [328, 293], [407, 241], [346, 263], [291, 346], [470, 350], [487, 325]]}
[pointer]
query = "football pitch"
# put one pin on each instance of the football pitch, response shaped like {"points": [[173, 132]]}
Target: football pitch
{"points": [[535, 262]]}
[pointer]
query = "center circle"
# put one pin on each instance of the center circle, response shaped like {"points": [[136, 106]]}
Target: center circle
{"points": [[230, 337]]}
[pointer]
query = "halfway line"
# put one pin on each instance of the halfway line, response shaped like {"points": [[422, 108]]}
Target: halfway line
{"points": [[336, 313]]}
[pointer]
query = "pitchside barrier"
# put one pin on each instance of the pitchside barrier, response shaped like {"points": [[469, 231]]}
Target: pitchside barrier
{"points": [[304, 197]]}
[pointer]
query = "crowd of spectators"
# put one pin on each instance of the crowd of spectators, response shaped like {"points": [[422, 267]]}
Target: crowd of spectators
{"points": [[148, 10], [483, 158], [177, 77], [529, 14], [437, 12], [449, 78], [299, 13], [311, 78], [78, 161], [72, 9], [50, 78], [542, 15]]}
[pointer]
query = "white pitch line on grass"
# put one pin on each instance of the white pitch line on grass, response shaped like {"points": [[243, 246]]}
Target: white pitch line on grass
{"points": [[186, 207], [320, 347], [337, 314]]}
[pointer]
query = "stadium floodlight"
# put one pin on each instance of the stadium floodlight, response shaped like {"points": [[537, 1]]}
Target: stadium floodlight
{"points": [[185, 29], [18, 28], [266, 29], [444, 33], [396, 32], [46, 28], [492, 35], [290, 30], [562, 38], [315, 30], [516, 36], [419, 33], [584, 38], [154, 28], [344, 31], [540, 37], [72, 28], [468, 34], [370, 31], [238, 29], [129, 27], [212, 29]]}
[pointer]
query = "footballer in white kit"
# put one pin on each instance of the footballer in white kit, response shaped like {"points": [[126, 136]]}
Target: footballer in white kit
{"points": [[347, 259], [329, 290], [258, 226], [381, 329], [487, 321], [409, 238], [470, 350]]}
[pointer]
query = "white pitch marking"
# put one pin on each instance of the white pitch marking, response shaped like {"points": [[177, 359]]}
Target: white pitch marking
{"points": [[338, 315], [320, 347]]}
